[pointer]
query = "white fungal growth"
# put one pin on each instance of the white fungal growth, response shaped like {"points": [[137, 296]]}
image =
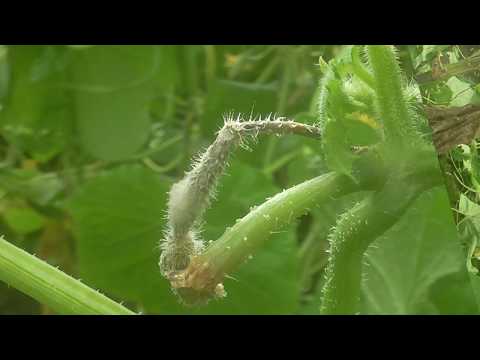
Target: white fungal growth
{"points": [[177, 252], [191, 196]]}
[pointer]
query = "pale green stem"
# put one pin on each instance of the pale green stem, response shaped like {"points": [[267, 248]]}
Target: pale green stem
{"points": [[202, 280], [243, 239], [52, 287]]}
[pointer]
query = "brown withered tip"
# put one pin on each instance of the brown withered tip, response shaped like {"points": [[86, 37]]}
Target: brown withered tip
{"points": [[197, 284], [452, 126]]}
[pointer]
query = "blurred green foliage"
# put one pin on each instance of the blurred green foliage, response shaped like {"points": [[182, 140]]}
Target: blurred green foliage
{"points": [[92, 137]]}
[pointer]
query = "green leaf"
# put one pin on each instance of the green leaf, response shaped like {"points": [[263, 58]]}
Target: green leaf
{"points": [[40, 188], [462, 92], [226, 96], [452, 294], [37, 115], [305, 118], [23, 219], [4, 72], [430, 51], [118, 218], [337, 148], [362, 129], [414, 262], [471, 211], [113, 86], [346, 125], [440, 93], [80, 47]]}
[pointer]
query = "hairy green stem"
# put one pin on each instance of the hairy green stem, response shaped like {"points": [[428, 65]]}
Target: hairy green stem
{"points": [[190, 197], [360, 69], [358, 228], [392, 107], [242, 240], [323, 94], [202, 279], [52, 287]]}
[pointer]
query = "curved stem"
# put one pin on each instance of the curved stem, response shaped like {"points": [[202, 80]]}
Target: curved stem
{"points": [[191, 196], [358, 228], [251, 232], [201, 280], [52, 287]]}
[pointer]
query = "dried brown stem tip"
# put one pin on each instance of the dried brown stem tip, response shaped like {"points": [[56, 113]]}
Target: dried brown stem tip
{"points": [[453, 126]]}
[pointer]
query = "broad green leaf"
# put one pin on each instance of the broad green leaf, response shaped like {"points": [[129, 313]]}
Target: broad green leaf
{"points": [[471, 238], [113, 86], [454, 294], [37, 114], [411, 266], [462, 92], [337, 148], [118, 219]]}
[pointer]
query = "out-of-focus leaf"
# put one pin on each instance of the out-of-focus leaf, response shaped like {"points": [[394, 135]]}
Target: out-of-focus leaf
{"points": [[226, 96], [39, 188], [118, 218], [37, 115], [232, 96], [452, 294], [462, 92], [305, 118], [166, 84], [440, 93], [80, 47], [430, 51], [113, 86], [4, 72], [422, 250], [23, 219], [471, 211], [362, 129]]}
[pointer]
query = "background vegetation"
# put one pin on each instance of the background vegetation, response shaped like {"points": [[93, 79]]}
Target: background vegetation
{"points": [[92, 138]]}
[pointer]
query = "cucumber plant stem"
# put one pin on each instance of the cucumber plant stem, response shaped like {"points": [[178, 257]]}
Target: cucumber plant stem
{"points": [[52, 287], [358, 228], [200, 281]]}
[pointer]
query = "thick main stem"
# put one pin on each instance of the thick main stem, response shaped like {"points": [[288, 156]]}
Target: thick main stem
{"points": [[359, 227], [52, 287]]}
